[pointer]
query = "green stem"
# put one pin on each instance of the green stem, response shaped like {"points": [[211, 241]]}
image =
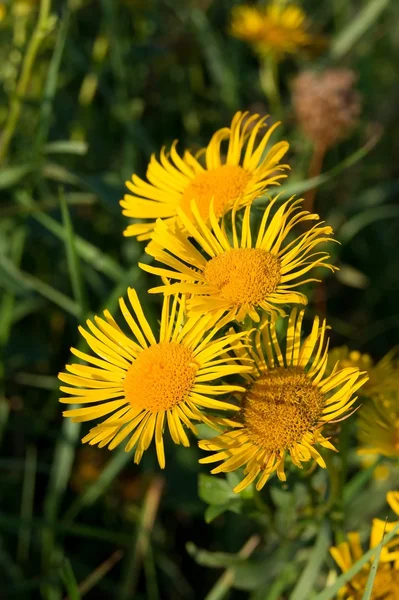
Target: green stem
{"points": [[269, 84], [14, 112]]}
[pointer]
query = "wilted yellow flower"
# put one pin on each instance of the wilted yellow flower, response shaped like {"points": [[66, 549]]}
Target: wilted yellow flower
{"points": [[236, 178], [276, 28], [288, 400], [239, 276], [386, 582], [144, 382]]}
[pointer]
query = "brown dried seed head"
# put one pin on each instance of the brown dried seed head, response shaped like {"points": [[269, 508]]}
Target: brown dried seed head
{"points": [[326, 105]]}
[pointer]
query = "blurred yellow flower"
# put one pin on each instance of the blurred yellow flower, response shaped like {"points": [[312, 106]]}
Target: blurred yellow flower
{"points": [[236, 178], [383, 376], [239, 276], [3, 11], [287, 402], [276, 28], [386, 582], [145, 382], [378, 426]]}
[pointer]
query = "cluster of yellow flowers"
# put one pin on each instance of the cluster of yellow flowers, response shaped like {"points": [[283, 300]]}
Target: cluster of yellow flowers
{"points": [[218, 270], [345, 554]]}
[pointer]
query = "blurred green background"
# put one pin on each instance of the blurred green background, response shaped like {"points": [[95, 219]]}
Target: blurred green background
{"points": [[112, 82]]}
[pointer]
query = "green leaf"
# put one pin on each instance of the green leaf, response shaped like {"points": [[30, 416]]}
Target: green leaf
{"points": [[350, 35], [76, 147], [333, 590], [214, 490], [348, 275], [12, 175], [311, 571], [354, 225], [214, 560], [215, 510]]}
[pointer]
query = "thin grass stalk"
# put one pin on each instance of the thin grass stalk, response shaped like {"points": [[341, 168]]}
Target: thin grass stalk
{"points": [[38, 35]]}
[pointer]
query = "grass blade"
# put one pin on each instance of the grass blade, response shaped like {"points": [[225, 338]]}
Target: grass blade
{"points": [[68, 577], [50, 87], [226, 581], [75, 273], [311, 571], [27, 498], [358, 222], [299, 187], [96, 489], [30, 282], [88, 252], [349, 36], [6, 314], [370, 581], [142, 540]]}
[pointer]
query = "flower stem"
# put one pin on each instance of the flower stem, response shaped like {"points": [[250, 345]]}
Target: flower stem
{"points": [[14, 112], [315, 166], [269, 84]]}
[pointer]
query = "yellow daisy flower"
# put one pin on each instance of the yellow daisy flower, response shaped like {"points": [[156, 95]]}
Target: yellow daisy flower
{"points": [[383, 375], [145, 383], [237, 177], [386, 582], [273, 29], [378, 426], [240, 276], [288, 399]]}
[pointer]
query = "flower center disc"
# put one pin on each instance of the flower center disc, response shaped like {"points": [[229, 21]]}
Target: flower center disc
{"points": [[281, 407], [386, 585], [161, 377], [224, 184], [244, 275]]}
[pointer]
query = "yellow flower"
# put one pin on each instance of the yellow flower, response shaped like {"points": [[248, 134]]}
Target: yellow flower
{"points": [[232, 179], [287, 401], [273, 29], [383, 376], [144, 382], [393, 501], [386, 582], [239, 277], [378, 426], [3, 11]]}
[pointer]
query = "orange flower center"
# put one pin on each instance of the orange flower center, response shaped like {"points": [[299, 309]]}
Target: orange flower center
{"points": [[161, 377], [244, 275], [280, 407], [224, 184], [386, 585]]}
